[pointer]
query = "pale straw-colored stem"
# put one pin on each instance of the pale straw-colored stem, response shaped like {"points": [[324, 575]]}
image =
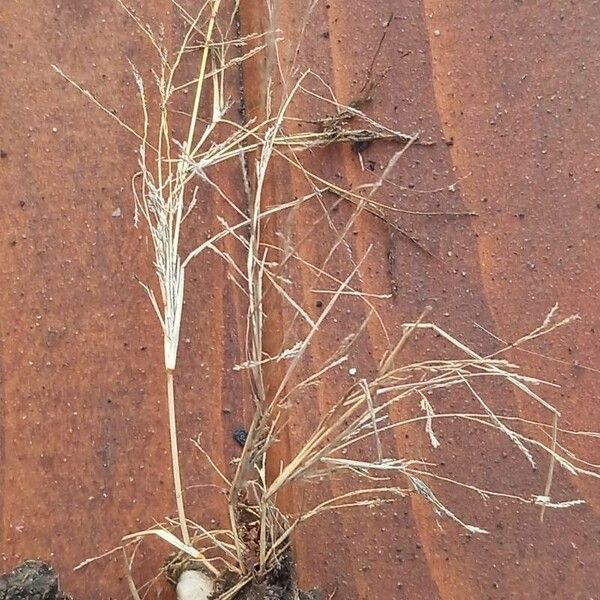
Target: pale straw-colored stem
{"points": [[175, 457]]}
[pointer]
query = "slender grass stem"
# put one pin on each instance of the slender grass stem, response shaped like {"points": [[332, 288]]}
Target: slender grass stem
{"points": [[175, 457]]}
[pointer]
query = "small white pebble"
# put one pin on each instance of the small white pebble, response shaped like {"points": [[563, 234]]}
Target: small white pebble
{"points": [[352, 371], [437, 33], [194, 585]]}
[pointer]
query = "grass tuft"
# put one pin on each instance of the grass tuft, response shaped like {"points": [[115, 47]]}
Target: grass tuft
{"points": [[174, 179]]}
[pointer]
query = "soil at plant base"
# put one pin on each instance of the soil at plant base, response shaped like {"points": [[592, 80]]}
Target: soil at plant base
{"points": [[262, 592], [258, 591], [280, 584], [31, 580]]}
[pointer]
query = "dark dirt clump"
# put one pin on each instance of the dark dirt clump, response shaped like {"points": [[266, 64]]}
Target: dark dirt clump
{"points": [[31, 580], [274, 592], [280, 584]]}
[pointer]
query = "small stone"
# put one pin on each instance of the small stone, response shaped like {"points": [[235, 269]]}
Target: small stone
{"points": [[194, 585]]}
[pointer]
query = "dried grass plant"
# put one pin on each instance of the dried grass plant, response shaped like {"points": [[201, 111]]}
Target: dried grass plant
{"points": [[174, 178]]}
